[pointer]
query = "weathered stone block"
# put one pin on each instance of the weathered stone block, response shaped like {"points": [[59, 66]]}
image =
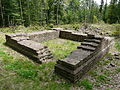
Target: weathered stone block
{"points": [[92, 49], [82, 60]]}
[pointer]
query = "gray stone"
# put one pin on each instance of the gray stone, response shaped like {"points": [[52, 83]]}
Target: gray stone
{"points": [[81, 60], [75, 65]]}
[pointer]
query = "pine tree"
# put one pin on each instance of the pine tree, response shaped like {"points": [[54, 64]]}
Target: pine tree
{"points": [[118, 11], [101, 6], [105, 13], [1, 14], [112, 14]]}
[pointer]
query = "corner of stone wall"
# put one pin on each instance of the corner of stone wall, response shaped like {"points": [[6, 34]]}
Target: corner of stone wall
{"points": [[22, 43]]}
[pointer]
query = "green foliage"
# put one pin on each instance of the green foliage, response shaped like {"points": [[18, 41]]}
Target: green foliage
{"points": [[105, 11], [117, 45], [76, 26], [118, 70], [93, 73], [27, 73], [45, 12], [103, 78], [112, 15], [5, 57], [51, 25], [117, 30], [2, 53], [16, 65], [95, 20], [108, 89], [87, 84]]}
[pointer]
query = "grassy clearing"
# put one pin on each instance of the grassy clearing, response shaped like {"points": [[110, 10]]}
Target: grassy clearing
{"points": [[87, 84], [61, 48], [103, 78], [20, 73]]}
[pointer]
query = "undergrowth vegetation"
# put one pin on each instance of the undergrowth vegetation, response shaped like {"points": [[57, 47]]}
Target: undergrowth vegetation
{"points": [[117, 44]]}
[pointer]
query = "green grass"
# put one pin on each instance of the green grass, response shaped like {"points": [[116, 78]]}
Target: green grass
{"points": [[117, 45], [87, 84], [61, 48], [93, 73], [23, 74], [118, 70], [20, 73], [103, 78]]}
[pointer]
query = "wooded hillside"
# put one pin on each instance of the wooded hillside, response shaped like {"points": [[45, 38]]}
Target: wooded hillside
{"points": [[28, 12]]}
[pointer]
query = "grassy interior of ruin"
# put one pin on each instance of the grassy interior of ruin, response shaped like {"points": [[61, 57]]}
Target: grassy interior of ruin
{"points": [[18, 72], [61, 48]]}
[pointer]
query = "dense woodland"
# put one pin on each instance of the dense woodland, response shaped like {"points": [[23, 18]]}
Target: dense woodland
{"points": [[42, 12]]}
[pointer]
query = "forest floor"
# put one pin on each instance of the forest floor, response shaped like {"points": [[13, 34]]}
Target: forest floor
{"points": [[17, 72]]}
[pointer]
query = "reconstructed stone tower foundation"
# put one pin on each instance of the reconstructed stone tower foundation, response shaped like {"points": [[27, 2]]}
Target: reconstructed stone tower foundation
{"points": [[29, 44], [92, 49], [83, 58]]}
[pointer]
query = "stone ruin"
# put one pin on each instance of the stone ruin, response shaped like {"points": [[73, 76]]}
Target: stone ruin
{"points": [[29, 44], [75, 65]]}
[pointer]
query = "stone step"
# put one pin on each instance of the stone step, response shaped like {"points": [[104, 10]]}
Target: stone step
{"points": [[45, 58], [98, 37], [93, 40], [75, 59], [88, 48], [44, 55], [92, 36], [92, 44], [18, 39], [43, 51], [32, 45]]}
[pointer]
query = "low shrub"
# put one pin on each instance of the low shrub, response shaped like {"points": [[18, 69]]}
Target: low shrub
{"points": [[76, 26]]}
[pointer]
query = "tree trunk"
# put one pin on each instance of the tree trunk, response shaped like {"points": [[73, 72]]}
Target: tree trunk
{"points": [[2, 16], [21, 11], [8, 20], [57, 13], [29, 17]]}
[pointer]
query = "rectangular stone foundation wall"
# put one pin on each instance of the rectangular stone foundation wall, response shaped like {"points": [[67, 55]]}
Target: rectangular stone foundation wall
{"points": [[69, 74], [72, 70], [92, 49], [70, 35], [29, 44], [43, 35]]}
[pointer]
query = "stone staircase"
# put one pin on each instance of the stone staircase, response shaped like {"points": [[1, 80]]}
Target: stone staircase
{"points": [[81, 60], [33, 50], [75, 65]]}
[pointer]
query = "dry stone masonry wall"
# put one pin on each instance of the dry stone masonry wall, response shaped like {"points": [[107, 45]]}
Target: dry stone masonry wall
{"points": [[81, 60], [71, 35], [29, 44], [43, 35], [92, 49]]}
